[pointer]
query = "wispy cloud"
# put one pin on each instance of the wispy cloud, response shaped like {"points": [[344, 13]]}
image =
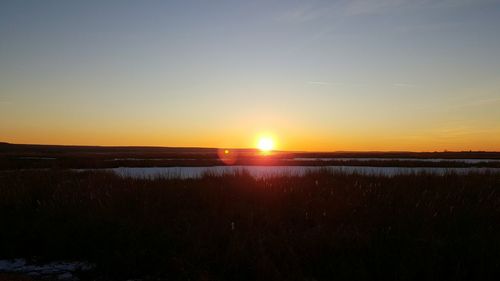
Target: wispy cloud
{"points": [[307, 12], [459, 131], [311, 11], [329, 17], [404, 85], [481, 102], [315, 10], [319, 83], [357, 84], [363, 7], [298, 14], [460, 3]]}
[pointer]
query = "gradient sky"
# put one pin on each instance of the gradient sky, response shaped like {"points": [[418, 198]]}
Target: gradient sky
{"points": [[317, 75]]}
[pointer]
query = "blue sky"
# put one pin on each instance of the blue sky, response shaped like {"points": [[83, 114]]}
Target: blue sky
{"points": [[319, 75]]}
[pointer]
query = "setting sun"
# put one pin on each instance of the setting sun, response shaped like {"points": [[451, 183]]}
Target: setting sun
{"points": [[265, 144]]}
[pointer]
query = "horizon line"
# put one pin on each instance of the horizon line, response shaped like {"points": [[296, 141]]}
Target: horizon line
{"points": [[277, 150]]}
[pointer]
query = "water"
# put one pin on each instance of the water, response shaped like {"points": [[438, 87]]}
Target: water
{"points": [[470, 161], [269, 171]]}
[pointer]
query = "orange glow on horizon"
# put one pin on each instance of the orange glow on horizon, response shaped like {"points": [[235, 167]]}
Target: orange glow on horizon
{"points": [[296, 140]]}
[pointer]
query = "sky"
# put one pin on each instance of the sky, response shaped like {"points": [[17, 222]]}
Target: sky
{"points": [[420, 75]]}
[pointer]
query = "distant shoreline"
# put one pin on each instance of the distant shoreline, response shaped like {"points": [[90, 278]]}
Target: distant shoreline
{"points": [[23, 156]]}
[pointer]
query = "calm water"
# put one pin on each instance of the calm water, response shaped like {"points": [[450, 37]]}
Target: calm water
{"points": [[471, 161], [269, 171]]}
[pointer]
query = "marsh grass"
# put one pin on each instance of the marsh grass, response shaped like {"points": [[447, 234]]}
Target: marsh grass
{"points": [[320, 226]]}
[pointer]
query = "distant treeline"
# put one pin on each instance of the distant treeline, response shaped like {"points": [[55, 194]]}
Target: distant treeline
{"points": [[13, 156]]}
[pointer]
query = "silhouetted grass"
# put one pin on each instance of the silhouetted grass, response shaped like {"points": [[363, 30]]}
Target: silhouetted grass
{"points": [[321, 226]]}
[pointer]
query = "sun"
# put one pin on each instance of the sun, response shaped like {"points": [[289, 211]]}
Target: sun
{"points": [[265, 144]]}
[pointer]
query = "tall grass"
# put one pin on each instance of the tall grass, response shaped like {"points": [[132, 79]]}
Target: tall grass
{"points": [[321, 226]]}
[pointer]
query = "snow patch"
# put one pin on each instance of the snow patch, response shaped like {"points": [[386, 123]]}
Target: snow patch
{"points": [[60, 270]]}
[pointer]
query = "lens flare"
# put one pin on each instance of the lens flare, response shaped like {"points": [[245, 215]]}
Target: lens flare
{"points": [[228, 156]]}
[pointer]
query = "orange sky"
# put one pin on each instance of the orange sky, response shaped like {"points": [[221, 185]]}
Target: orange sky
{"points": [[319, 76], [283, 141]]}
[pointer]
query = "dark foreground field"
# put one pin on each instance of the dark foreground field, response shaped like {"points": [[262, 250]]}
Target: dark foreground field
{"points": [[318, 227]]}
